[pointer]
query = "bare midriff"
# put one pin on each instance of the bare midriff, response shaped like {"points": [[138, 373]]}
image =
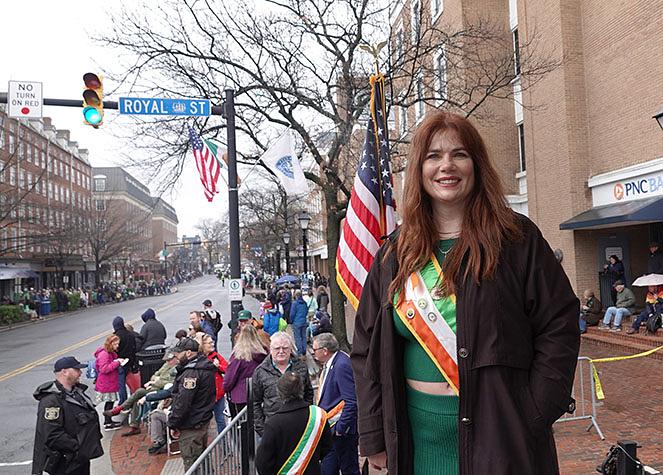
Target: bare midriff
{"points": [[434, 388]]}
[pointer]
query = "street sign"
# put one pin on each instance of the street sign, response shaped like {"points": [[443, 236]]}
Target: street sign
{"points": [[155, 106], [25, 99], [235, 289]]}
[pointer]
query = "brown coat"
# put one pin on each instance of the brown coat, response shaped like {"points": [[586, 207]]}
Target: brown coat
{"points": [[518, 341]]}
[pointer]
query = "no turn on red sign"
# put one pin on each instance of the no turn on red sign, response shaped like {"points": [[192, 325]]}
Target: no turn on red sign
{"points": [[25, 99]]}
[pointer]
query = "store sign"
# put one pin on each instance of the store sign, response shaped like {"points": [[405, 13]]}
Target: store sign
{"points": [[628, 189]]}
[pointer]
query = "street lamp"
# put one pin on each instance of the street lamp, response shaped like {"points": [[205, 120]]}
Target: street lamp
{"points": [[304, 218], [286, 241], [659, 118], [278, 259]]}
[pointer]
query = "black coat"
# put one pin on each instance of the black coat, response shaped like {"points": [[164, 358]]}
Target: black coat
{"points": [[518, 342], [655, 263], [194, 394], [127, 348], [152, 333], [281, 436], [67, 433]]}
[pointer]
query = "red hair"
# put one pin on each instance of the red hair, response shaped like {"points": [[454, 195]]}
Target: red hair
{"points": [[487, 224], [108, 344]]}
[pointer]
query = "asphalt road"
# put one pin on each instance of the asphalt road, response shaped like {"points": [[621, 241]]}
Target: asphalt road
{"points": [[27, 354]]}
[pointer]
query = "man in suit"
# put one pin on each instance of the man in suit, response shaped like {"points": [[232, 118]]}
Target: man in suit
{"points": [[336, 395]]}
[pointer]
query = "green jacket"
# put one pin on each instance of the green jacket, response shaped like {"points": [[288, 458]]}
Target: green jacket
{"points": [[163, 376], [626, 299]]}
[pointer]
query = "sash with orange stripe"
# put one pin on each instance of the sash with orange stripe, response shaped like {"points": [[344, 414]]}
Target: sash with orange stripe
{"points": [[299, 459], [334, 414], [431, 318]]}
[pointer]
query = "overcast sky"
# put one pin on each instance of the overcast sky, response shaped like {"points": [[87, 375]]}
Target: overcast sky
{"points": [[48, 41]]}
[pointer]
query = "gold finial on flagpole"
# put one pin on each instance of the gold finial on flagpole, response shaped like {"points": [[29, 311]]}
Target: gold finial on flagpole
{"points": [[374, 50]]}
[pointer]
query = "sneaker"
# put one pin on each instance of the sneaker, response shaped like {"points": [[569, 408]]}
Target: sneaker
{"points": [[112, 426], [132, 431], [603, 326], [156, 447], [631, 331], [616, 329]]}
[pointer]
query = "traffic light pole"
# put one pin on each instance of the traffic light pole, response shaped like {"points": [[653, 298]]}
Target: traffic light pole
{"points": [[233, 204]]}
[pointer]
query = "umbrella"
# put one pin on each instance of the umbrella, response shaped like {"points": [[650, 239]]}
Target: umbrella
{"points": [[289, 279], [647, 280]]}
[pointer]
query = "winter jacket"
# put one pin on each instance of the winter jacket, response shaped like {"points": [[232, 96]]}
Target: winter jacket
{"points": [[164, 375], [311, 304], [299, 313], [214, 319], [152, 333], [234, 383], [270, 321], [516, 363], [67, 433], [286, 303], [220, 370], [281, 436], [616, 272], [194, 394], [266, 400], [108, 375], [595, 311], [323, 300], [655, 262], [127, 348], [626, 299]]}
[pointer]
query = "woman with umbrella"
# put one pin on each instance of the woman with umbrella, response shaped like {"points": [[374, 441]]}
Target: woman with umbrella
{"points": [[653, 300]]}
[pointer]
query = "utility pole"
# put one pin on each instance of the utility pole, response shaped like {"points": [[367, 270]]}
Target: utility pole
{"points": [[233, 204]]}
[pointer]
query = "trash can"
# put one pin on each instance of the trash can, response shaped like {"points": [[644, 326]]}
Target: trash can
{"points": [[150, 360], [45, 307]]}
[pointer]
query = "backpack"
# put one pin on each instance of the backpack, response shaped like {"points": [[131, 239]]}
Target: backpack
{"points": [[653, 323], [91, 370], [214, 319]]}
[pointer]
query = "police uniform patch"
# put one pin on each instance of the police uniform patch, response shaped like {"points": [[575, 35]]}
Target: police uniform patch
{"points": [[51, 413], [189, 383]]}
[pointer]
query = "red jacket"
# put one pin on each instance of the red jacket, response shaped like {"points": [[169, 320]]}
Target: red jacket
{"points": [[222, 366]]}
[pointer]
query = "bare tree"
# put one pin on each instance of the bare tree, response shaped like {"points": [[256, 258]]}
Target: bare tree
{"points": [[215, 234], [299, 66]]}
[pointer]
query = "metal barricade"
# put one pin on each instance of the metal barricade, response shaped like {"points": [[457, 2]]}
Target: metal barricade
{"points": [[586, 402], [233, 450]]}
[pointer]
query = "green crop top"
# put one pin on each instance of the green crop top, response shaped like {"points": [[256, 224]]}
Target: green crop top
{"points": [[418, 366]]}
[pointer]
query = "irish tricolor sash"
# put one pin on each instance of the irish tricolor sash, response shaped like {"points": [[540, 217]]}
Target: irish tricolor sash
{"points": [[334, 414], [298, 461], [431, 318]]}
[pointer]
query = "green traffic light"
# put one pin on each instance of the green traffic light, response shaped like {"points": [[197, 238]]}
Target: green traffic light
{"points": [[91, 115]]}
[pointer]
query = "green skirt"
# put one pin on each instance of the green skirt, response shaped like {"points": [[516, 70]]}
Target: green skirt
{"points": [[434, 424]]}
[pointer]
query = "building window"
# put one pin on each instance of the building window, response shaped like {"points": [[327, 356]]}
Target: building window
{"points": [[436, 7], [101, 205], [402, 120], [415, 22], [516, 52], [521, 147], [441, 74], [99, 183], [399, 45], [21, 179], [420, 106]]}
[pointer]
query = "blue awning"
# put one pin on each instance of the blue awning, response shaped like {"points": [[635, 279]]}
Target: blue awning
{"points": [[7, 273], [619, 214]]}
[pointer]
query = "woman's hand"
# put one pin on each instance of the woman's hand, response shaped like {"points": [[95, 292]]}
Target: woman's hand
{"points": [[378, 461]]}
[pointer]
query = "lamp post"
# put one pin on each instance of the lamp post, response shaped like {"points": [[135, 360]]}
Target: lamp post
{"points": [[659, 118], [278, 259], [286, 241], [304, 220]]}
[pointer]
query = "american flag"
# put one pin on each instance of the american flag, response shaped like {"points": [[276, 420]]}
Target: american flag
{"points": [[207, 164], [371, 211]]}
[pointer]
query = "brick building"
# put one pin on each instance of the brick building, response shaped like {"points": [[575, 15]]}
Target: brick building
{"points": [[44, 199], [578, 151]]}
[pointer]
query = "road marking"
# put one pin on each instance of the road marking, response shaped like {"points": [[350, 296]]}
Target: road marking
{"points": [[15, 464], [80, 344]]}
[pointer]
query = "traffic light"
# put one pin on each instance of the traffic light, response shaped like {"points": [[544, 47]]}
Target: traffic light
{"points": [[93, 100]]}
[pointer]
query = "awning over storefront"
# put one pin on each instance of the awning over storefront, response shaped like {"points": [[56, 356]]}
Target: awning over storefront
{"points": [[619, 214], [9, 273]]}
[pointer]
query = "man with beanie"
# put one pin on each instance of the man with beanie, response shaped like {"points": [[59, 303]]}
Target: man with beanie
{"points": [[153, 332], [67, 435], [127, 349], [655, 261], [194, 396]]}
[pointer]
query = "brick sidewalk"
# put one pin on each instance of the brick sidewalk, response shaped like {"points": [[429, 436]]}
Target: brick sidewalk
{"points": [[632, 409]]}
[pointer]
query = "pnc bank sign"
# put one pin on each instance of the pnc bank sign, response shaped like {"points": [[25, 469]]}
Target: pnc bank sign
{"points": [[639, 188]]}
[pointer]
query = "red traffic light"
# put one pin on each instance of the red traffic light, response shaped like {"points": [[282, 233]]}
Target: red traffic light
{"points": [[92, 80]]}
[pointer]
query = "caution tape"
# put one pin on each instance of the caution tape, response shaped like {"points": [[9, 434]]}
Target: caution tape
{"points": [[597, 381]]}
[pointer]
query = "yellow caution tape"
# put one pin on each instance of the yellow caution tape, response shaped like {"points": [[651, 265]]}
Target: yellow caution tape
{"points": [[597, 381]]}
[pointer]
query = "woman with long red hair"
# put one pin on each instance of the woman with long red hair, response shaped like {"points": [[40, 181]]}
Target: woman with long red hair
{"points": [[466, 336]]}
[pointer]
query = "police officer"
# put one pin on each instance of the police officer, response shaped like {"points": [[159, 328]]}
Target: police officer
{"points": [[194, 395], [68, 435]]}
